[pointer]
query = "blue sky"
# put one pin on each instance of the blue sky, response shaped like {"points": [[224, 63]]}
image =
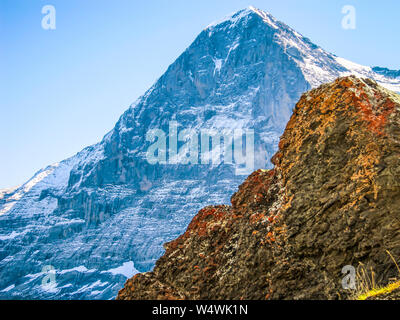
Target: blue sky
{"points": [[63, 89]]}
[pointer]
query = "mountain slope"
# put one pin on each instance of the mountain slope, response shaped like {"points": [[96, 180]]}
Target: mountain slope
{"points": [[332, 200], [387, 72], [108, 208]]}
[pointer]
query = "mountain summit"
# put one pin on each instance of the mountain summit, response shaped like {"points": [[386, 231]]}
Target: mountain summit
{"points": [[102, 215]]}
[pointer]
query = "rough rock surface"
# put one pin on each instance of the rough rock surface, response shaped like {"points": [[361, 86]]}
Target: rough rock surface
{"points": [[332, 200]]}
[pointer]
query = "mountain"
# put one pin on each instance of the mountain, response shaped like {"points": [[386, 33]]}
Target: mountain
{"points": [[103, 215], [387, 72], [330, 202]]}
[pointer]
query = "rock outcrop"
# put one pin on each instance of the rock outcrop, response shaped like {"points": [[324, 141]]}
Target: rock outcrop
{"points": [[331, 200]]}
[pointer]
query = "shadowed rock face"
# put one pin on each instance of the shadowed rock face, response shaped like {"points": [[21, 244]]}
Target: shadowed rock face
{"points": [[332, 200]]}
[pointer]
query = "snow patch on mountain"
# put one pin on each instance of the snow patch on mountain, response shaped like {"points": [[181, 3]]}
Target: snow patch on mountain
{"points": [[127, 270], [81, 269]]}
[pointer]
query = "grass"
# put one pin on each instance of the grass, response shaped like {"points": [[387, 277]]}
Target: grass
{"points": [[367, 288], [381, 291]]}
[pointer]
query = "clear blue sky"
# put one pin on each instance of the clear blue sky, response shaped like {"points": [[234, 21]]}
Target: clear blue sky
{"points": [[63, 89]]}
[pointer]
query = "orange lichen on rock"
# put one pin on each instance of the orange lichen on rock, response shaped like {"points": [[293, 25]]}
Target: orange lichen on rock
{"points": [[375, 116]]}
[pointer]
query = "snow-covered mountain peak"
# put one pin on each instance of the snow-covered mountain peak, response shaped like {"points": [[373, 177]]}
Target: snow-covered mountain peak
{"points": [[242, 15], [266, 16], [318, 65]]}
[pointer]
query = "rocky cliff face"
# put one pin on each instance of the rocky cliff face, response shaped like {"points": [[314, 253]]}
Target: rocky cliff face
{"points": [[331, 200], [103, 214]]}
